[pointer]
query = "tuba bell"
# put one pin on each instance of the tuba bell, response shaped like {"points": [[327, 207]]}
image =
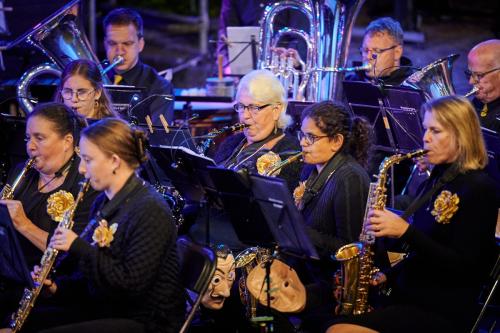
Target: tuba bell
{"points": [[61, 38], [434, 79], [330, 26]]}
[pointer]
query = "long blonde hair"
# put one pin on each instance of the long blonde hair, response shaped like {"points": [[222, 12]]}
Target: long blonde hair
{"points": [[457, 115]]}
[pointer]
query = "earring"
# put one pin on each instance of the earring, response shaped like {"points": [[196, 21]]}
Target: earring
{"points": [[275, 127], [114, 172]]}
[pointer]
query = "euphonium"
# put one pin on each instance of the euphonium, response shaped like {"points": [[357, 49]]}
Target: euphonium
{"points": [[357, 258], [275, 168], [434, 79], [49, 256], [8, 190]]}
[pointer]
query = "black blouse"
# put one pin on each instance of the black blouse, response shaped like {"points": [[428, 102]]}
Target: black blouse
{"points": [[136, 277], [35, 206]]}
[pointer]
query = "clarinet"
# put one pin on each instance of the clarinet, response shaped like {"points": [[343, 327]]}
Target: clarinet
{"points": [[47, 262], [203, 148]]}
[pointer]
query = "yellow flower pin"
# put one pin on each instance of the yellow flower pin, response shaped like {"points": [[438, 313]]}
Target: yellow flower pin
{"points": [[445, 206], [298, 193], [103, 235], [266, 162], [58, 203]]}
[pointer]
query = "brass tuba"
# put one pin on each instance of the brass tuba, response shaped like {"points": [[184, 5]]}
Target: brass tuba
{"points": [[434, 79], [330, 26], [61, 38]]}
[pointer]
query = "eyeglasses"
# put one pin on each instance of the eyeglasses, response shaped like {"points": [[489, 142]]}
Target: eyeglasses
{"points": [[477, 76], [377, 51], [309, 138], [253, 109], [81, 94]]}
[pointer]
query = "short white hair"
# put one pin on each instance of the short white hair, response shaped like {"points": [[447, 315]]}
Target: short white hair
{"points": [[263, 87]]}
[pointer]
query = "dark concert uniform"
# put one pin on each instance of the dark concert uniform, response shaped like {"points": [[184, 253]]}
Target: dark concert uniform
{"points": [[334, 205], [490, 118], [35, 207], [436, 288], [232, 151], [144, 76], [395, 78], [136, 277]]}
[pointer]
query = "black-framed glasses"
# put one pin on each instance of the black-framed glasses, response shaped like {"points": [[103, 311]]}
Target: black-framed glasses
{"points": [[377, 51], [81, 94], [477, 76], [253, 109], [309, 138]]}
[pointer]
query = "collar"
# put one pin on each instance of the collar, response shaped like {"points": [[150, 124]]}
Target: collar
{"points": [[109, 207]]}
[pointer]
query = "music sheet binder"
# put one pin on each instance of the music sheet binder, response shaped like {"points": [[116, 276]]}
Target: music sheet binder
{"points": [[262, 211], [392, 111], [13, 265]]}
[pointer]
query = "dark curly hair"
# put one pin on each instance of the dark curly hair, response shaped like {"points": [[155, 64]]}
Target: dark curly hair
{"points": [[333, 118]]}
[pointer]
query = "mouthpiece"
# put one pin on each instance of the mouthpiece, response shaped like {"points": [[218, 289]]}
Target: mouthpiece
{"points": [[116, 61]]}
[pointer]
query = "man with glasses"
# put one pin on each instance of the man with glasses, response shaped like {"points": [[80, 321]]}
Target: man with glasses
{"points": [[484, 73], [382, 47], [124, 37]]}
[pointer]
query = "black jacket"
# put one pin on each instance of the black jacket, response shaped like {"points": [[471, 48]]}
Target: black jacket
{"points": [[395, 78]]}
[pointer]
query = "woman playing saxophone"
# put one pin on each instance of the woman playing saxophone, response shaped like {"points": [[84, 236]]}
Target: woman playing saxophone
{"points": [[451, 236]]}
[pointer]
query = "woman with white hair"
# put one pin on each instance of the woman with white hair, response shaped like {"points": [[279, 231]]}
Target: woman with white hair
{"points": [[261, 104]]}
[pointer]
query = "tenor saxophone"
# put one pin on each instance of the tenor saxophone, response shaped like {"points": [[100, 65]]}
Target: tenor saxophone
{"points": [[46, 263], [357, 258], [8, 190]]}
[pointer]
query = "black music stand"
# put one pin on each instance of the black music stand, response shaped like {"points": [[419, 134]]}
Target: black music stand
{"points": [[13, 265], [262, 211], [392, 111], [185, 168]]}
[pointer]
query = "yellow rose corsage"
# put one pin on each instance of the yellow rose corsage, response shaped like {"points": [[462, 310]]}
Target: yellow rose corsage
{"points": [[266, 162], [298, 193], [445, 207], [103, 235], [58, 203]]}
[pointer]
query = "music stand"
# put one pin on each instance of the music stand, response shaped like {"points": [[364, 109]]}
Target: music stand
{"points": [[262, 211], [124, 98], [185, 168], [13, 264], [392, 111]]}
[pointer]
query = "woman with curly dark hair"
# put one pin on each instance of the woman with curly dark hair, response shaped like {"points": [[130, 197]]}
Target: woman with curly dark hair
{"points": [[333, 195]]}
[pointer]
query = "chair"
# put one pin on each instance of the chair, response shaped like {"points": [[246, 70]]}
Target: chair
{"points": [[197, 267]]}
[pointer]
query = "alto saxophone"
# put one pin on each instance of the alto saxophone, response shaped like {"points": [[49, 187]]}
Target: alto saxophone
{"points": [[8, 190], [357, 258], [46, 263]]}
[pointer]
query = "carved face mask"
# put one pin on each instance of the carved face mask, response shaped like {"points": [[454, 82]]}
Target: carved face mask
{"points": [[288, 294], [221, 284]]}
